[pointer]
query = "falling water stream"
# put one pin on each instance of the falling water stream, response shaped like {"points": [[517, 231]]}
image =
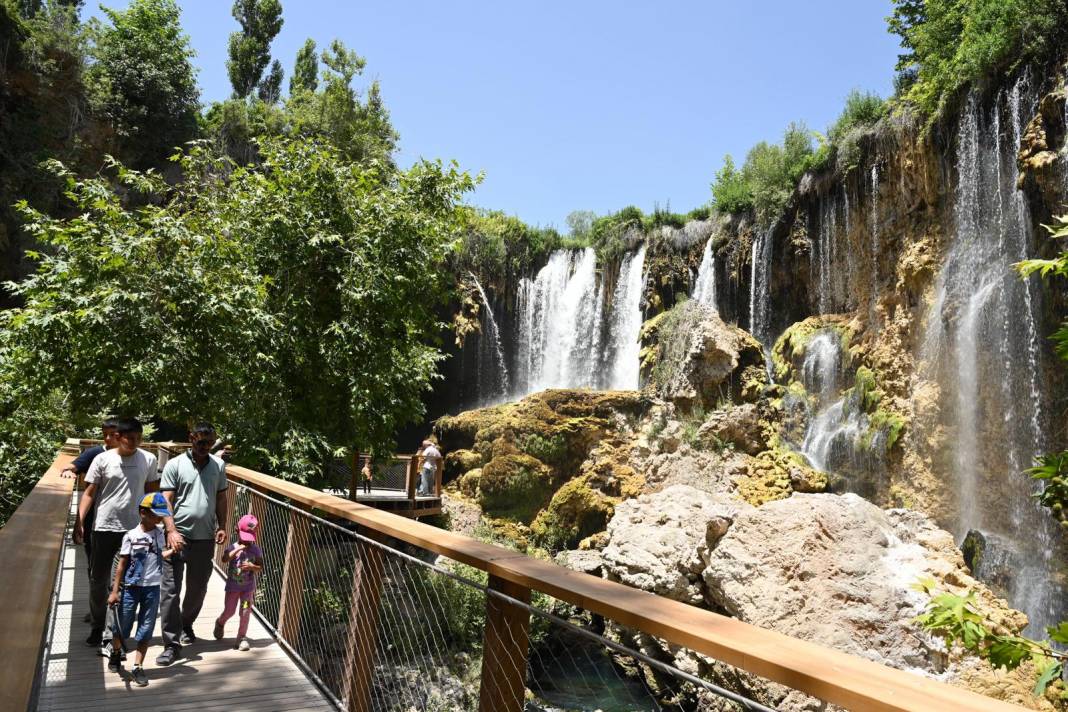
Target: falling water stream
{"points": [[704, 289], [493, 382], [982, 348]]}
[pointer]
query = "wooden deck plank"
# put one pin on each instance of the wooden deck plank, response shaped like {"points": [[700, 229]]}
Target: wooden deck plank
{"points": [[211, 675]]}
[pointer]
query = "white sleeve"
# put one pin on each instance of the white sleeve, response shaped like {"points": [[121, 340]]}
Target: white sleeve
{"points": [[126, 546], [96, 469], [153, 470]]}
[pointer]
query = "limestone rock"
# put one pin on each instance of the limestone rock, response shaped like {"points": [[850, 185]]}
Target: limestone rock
{"points": [[701, 359], [738, 426], [834, 570], [660, 542], [584, 561]]}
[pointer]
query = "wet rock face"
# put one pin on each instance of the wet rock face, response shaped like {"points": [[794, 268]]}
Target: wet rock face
{"points": [[737, 426], [1040, 168]]}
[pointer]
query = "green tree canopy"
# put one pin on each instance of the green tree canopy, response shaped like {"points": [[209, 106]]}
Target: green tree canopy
{"points": [[290, 301], [142, 82], [305, 70], [250, 49], [270, 89]]}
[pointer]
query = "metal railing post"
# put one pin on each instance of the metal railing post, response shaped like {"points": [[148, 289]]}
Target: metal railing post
{"points": [[292, 599], [505, 646], [228, 523], [413, 477], [354, 478], [363, 624]]}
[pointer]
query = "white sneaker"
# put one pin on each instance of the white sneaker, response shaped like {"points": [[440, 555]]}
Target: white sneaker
{"points": [[243, 645]]}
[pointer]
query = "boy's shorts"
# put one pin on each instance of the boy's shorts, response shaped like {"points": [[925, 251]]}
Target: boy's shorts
{"points": [[144, 601]]}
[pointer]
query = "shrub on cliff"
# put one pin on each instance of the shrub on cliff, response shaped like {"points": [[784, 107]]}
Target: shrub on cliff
{"points": [[950, 44]]}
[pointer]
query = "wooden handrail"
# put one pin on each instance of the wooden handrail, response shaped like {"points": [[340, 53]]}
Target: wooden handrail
{"points": [[822, 672], [30, 546]]}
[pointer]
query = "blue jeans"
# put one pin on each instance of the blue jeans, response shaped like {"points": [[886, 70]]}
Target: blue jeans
{"points": [[144, 602], [426, 481]]}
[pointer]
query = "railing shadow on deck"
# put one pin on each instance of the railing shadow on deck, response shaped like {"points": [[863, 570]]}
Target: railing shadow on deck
{"points": [[362, 598]]}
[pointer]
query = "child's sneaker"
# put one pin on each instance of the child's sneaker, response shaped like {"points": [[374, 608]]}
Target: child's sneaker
{"points": [[139, 677], [243, 645], [114, 661], [218, 632]]}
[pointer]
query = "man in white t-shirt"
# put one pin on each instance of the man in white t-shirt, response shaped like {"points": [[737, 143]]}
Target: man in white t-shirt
{"points": [[428, 473], [116, 482]]}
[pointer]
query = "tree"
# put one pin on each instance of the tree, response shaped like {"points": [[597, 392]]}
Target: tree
{"points": [[250, 49], [142, 82], [288, 300], [305, 70], [270, 89], [579, 222], [730, 192]]}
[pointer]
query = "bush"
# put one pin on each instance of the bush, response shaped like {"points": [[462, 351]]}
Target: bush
{"points": [[861, 109], [730, 191], [951, 44], [499, 246]]}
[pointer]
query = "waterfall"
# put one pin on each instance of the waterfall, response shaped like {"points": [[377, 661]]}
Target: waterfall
{"points": [[838, 437], [982, 345], [759, 286], [492, 378], [874, 236], [568, 334], [626, 322], [704, 289]]}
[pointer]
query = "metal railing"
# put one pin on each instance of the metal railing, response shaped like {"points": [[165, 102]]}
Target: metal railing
{"points": [[391, 614], [383, 627], [386, 613]]}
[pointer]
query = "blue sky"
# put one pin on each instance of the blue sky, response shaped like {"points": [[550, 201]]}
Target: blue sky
{"points": [[585, 104]]}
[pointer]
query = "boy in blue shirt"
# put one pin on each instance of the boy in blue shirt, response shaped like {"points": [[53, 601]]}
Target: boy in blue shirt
{"points": [[137, 579]]}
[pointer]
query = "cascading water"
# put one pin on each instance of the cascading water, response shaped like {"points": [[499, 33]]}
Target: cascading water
{"points": [[760, 294], [838, 436], [704, 288], [492, 385], [626, 323], [567, 335], [982, 347]]}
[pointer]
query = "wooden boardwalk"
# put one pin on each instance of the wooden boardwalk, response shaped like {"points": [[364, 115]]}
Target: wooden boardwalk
{"points": [[210, 676]]}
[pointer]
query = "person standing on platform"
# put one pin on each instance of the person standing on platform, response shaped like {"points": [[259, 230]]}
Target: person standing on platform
{"points": [[116, 483], [194, 485], [428, 474]]}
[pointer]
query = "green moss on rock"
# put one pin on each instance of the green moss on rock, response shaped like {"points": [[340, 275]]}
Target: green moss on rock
{"points": [[575, 512], [514, 487]]}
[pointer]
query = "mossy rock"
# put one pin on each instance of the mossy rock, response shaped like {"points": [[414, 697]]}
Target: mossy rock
{"points": [[459, 462], [469, 481], [514, 487], [789, 349], [778, 473], [575, 512]]}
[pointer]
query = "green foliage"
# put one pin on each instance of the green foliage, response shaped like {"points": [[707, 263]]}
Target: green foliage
{"points": [[950, 44], [551, 450], [270, 88], [142, 82], [249, 51], [767, 178], [862, 111], [957, 620], [305, 70], [287, 287], [497, 246]]}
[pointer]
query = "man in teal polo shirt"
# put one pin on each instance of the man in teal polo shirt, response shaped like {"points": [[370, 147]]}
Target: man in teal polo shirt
{"points": [[194, 484]]}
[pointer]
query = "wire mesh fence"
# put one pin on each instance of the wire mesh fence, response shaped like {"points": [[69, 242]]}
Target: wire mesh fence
{"points": [[385, 626], [387, 475]]}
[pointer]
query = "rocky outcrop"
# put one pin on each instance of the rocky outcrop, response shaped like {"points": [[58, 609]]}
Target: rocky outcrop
{"points": [[832, 569], [738, 427], [701, 360], [661, 542]]}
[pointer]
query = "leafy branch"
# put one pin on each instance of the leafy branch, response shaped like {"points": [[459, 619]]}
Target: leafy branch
{"points": [[958, 621]]}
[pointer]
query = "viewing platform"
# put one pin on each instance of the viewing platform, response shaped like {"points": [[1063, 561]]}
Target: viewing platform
{"points": [[360, 609]]}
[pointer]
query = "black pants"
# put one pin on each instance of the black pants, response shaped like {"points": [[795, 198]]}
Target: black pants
{"points": [[87, 540], [194, 559], [367, 486], [105, 547]]}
